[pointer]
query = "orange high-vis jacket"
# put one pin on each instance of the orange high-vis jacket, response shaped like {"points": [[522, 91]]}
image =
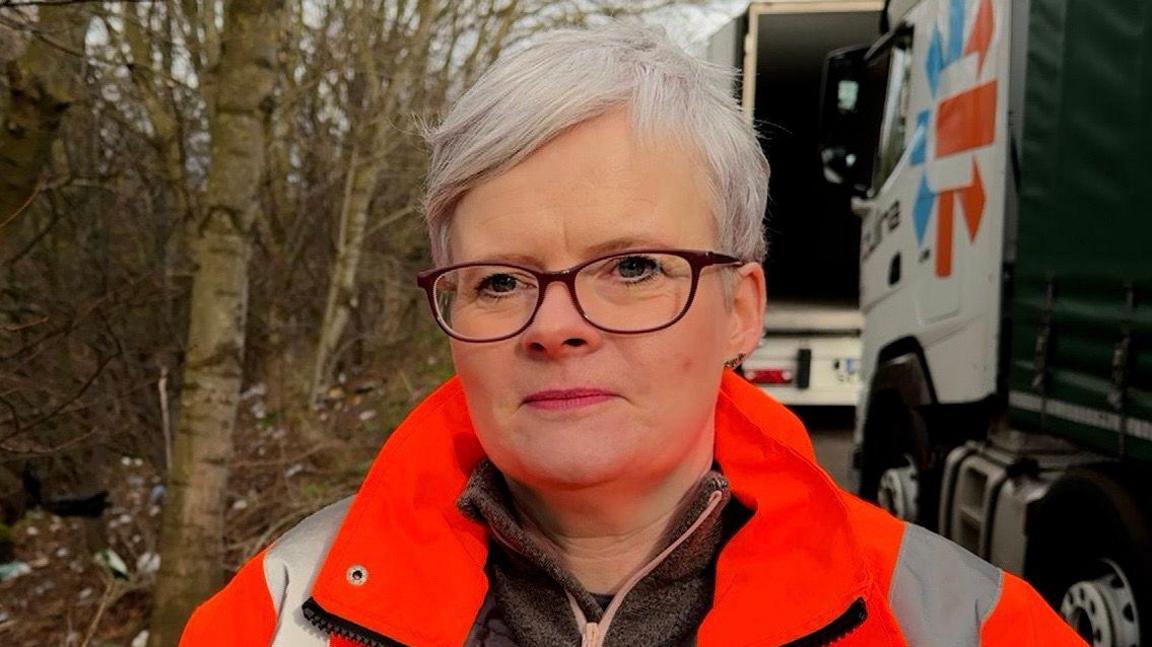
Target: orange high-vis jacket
{"points": [[400, 564]]}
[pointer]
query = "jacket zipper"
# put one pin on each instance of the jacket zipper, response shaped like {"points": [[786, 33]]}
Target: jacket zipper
{"points": [[836, 630], [332, 624]]}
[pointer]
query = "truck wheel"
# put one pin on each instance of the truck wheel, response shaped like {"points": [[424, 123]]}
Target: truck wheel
{"points": [[1090, 556], [1103, 609], [897, 471], [899, 490]]}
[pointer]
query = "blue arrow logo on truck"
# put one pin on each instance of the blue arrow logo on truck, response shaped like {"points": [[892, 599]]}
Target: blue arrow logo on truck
{"points": [[955, 32], [922, 211], [920, 139], [934, 64]]}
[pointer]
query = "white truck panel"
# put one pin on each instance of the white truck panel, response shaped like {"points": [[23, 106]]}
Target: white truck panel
{"points": [[948, 295]]}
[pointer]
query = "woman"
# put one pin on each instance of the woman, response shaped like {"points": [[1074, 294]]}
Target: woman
{"points": [[594, 475]]}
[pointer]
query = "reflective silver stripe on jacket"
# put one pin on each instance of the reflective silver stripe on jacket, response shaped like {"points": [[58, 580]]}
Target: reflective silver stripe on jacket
{"points": [[290, 567], [941, 594]]}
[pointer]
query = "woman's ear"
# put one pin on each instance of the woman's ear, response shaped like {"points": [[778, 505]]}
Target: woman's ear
{"points": [[746, 315]]}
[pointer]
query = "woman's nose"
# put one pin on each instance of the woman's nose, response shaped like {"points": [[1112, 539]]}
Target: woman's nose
{"points": [[558, 326]]}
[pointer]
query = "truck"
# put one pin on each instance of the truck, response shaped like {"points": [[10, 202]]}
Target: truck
{"points": [[998, 155], [811, 348]]}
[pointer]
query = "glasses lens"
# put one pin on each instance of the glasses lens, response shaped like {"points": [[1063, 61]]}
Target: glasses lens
{"points": [[485, 301], [634, 292]]}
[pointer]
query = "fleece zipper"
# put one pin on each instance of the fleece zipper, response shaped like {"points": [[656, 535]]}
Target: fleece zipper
{"points": [[592, 634]]}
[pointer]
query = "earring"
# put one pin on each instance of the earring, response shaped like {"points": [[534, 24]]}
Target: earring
{"points": [[735, 361]]}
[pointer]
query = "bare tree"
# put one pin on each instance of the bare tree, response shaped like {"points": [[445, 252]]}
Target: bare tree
{"points": [[192, 535], [42, 85]]}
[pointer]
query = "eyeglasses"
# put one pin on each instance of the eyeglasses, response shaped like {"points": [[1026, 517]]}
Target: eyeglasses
{"points": [[635, 291]]}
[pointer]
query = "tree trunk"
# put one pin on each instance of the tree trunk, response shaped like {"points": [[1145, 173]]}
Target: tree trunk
{"points": [[42, 85], [361, 182], [192, 533], [364, 168]]}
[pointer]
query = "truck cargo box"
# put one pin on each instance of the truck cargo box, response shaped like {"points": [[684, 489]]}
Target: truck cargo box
{"points": [[810, 351], [1081, 303]]}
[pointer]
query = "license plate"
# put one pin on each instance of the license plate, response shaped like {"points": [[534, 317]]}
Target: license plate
{"points": [[847, 369]]}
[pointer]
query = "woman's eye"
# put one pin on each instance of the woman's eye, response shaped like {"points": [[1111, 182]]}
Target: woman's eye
{"points": [[634, 267], [498, 283]]}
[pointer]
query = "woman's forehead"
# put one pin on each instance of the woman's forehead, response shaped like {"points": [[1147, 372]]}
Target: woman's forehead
{"points": [[520, 255], [550, 239], [585, 190]]}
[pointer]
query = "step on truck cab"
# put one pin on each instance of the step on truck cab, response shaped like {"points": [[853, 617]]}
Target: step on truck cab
{"points": [[810, 351], [997, 152]]}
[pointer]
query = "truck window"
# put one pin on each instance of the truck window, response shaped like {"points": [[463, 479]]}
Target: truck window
{"points": [[894, 124]]}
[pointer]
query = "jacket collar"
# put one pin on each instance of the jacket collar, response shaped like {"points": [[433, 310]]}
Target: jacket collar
{"points": [[795, 561]]}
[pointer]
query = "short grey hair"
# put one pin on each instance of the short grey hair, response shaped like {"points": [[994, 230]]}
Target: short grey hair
{"points": [[569, 76]]}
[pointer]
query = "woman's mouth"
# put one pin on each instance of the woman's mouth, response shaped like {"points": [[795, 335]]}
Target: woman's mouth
{"points": [[567, 398]]}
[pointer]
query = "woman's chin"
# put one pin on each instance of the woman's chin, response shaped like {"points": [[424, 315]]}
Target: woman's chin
{"points": [[570, 468]]}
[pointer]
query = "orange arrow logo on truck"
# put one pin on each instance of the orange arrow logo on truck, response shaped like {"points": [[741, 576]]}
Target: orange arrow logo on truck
{"points": [[972, 198], [966, 121], [981, 38]]}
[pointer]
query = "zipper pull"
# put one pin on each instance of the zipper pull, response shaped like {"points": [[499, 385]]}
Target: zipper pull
{"points": [[591, 636]]}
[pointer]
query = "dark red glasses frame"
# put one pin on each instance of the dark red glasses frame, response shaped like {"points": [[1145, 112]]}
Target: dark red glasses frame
{"points": [[697, 260]]}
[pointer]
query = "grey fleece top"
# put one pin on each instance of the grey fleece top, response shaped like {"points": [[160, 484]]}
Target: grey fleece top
{"points": [[532, 600]]}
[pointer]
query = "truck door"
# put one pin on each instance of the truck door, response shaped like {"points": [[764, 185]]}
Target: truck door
{"points": [[931, 195]]}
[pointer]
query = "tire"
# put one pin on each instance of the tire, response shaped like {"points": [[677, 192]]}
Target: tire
{"points": [[896, 436], [1090, 555]]}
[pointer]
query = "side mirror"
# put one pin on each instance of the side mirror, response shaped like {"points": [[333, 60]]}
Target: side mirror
{"points": [[839, 164], [842, 119]]}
